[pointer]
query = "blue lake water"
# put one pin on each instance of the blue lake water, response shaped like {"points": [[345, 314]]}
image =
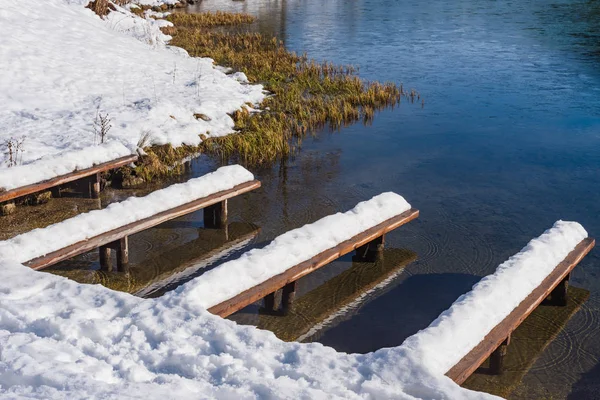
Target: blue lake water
{"points": [[508, 142]]}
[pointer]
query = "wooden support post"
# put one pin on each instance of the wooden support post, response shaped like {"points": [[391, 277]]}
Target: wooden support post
{"points": [[95, 185], [105, 258], [559, 295], [371, 251], [215, 216], [288, 295], [122, 248], [269, 305], [497, 357], [55, 192], [7, 208]]}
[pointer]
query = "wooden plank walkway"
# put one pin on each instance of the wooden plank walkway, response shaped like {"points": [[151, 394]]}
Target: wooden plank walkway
{"points": [[215, 212], [367, 245], [495, 343], [94, 172]]}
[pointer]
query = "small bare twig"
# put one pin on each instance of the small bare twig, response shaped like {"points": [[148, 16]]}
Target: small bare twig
{"points": [[14, 150], [101, 126]]}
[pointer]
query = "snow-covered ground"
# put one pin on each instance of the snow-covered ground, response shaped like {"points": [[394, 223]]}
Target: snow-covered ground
{"points": [[39, 242], [62, 65]]}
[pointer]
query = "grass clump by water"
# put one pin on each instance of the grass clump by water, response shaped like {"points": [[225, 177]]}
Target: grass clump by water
{"points": [[306, 95]]}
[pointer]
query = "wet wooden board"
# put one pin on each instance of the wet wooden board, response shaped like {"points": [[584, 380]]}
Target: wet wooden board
{"points": [[470, 362], [275, 283], [138, 226], [62, 179], [334, 295], [527, 343]]}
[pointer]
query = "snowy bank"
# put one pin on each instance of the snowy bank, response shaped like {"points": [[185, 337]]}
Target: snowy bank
{"points": [[64, 340], [49, 167], [39, 242], [61, 65], [286, 251]]}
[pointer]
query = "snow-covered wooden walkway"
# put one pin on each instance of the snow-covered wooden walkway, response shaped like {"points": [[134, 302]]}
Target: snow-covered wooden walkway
{"points": [[53, 171], [109, 228], [495, 344]]}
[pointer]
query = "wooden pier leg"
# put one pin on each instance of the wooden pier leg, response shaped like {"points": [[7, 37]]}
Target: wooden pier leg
{"points": [[7, 208], [122, 247], [497, 357], [288, 295], [559, 295], [95, 186], [105, 258], [55, 192], [215, 216], [269, 305], [371, 251]]}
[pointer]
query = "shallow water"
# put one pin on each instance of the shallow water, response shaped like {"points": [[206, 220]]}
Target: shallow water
{"points": [[507, 143]]}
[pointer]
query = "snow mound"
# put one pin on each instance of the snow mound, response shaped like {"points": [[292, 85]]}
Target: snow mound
{"points": [[64, 340], [39, 242], [62, 65]]}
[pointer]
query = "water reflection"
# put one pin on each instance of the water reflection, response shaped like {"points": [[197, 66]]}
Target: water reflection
{"points": [[182, 253], [338, 298]]}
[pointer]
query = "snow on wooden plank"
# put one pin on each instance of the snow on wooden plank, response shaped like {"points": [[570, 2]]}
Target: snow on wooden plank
{"points": [[41, 247], [295, 254], [470, 362], [60, 168]]}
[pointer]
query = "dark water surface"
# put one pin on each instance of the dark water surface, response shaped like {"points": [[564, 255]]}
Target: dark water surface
{"points": [[507, 143]]}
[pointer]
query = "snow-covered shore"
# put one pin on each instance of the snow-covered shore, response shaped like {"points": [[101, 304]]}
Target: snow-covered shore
{"points": [[59, 339], [61, 65]]}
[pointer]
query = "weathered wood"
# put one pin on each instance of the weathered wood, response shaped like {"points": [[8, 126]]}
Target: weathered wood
{"points": [[269, 302], [215, 216], [471, 361], [7, 208], [138, 226], [559, 297], [371, 251], [293, 274], [288, 294], [95, 185], [122, 249], [61, 180], [105, 258]]}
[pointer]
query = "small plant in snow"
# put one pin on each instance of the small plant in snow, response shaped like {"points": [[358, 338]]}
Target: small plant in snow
{"points": [[145, 139], [14, 151], [101, 126]]}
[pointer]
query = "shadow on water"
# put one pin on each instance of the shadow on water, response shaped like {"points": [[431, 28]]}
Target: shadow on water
{"points": [[399, 313], [340, 296], [154, 271], [588, 387]]}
